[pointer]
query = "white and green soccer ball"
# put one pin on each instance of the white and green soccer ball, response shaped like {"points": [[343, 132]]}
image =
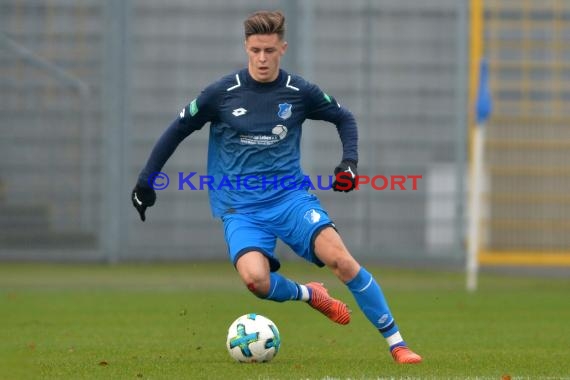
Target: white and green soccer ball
{"points": [[253, 338]]}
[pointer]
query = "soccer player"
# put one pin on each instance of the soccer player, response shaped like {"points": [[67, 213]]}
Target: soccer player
{"points": [[255, 117]]}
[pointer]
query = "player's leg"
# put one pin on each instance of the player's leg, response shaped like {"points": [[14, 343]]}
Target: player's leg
{"points": [[251, 247], [298, 219], [330, 249], [254, 270]]}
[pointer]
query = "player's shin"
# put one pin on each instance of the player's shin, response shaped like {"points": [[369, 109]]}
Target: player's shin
{"points": [[373, 304], [283, 289]]}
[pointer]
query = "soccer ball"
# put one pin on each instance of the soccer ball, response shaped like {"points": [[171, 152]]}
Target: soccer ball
{"points": [[280, 130], [253, 338]]}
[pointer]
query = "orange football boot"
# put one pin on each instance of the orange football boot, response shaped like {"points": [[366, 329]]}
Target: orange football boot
{"points": [[334, 309], [403, 355]]}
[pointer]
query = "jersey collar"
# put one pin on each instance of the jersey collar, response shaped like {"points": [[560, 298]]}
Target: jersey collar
{"points": [[252, 83]]}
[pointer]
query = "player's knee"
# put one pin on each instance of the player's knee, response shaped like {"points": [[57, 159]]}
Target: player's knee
{"points": [[344, 267], [258, 287]]}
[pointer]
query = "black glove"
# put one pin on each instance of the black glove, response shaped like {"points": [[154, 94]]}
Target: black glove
{"points": [[346, 171], [142, 198]]}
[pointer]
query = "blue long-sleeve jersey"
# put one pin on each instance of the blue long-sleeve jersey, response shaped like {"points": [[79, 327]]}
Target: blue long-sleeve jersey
{"points": [[255, 133]]}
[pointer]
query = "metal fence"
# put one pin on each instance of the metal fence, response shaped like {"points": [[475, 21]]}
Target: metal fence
{"points": [[527, 149], [87, 88]]}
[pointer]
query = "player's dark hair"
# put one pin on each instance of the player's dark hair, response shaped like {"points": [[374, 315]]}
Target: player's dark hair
{"points": [[265, 22]]}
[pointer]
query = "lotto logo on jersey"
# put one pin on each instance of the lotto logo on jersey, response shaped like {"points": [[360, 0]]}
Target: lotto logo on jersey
{"points": [[239, 112]]}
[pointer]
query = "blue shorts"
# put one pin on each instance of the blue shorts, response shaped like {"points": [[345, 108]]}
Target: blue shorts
{"points": [[296, 221]]}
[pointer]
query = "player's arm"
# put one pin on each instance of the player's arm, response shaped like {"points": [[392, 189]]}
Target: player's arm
{"points": [[324, 107], [191, 118]]}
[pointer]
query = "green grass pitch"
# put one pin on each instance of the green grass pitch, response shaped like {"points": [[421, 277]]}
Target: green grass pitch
{"points": [[165, 321]]}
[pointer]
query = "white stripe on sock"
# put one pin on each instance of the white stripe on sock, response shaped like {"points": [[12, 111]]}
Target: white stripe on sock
{"points": [[304, 293], [366, 287], [394, 339]]}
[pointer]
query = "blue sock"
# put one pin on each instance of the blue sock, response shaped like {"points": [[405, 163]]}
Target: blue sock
{"points": [[371, 301], [282, 289]]}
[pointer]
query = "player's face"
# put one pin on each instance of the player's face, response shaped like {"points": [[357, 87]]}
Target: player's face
{"points": [[264, 52]]}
